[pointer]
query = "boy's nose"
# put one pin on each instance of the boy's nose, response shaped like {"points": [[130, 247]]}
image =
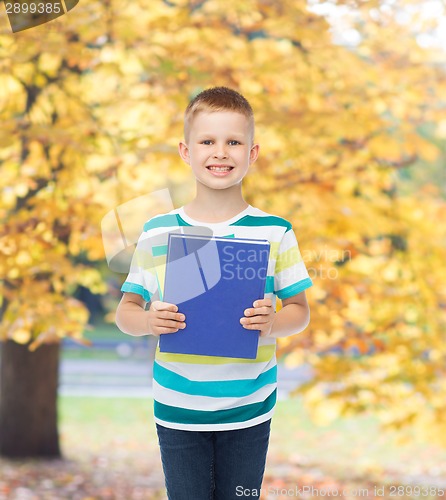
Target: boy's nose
{"points": [[220, 152]]}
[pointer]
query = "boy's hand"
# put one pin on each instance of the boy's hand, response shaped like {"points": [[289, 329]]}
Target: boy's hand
{"points": [[164, 318], [261, 317]]}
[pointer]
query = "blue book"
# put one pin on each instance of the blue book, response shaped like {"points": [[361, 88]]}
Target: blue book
{"points": [[213, 280]]}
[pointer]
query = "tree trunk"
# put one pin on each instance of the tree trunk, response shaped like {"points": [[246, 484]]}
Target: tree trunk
{"points": [[28, 400]]}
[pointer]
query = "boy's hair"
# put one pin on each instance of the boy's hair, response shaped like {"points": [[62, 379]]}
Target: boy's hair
{"points": [[218, 99]]}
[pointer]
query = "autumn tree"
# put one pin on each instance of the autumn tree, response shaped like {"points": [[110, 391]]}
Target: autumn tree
{"points": [[92, 112]]}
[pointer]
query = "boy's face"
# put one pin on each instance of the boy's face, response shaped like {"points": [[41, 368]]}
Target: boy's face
{"points": [[216, 139]]}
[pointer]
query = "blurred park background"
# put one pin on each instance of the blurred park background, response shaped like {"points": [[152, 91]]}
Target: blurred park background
{"points": [[349, 99]]}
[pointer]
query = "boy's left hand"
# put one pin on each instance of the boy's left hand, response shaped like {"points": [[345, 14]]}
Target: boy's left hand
{"points": [[260, 317]]}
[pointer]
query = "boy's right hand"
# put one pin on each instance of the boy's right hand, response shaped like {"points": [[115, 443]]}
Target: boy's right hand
{"points": [[164, 318]]}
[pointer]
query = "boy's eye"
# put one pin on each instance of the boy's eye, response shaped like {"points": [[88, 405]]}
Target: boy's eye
{"points": [[208, 140]]}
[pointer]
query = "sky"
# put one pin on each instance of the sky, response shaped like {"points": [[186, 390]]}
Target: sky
{"points": [[343, 34]]}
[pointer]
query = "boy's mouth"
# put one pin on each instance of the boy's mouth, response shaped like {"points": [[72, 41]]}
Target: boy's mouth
{"points": [[220, 168]]}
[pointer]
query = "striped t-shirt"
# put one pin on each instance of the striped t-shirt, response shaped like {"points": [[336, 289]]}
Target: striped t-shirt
{"points": [[203, 393]]}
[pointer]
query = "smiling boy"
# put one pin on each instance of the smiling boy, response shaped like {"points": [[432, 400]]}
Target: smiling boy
{"points": [[213, 414]]}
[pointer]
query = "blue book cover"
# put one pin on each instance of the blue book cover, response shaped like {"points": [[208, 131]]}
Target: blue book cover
{"points": [[213, 280]]}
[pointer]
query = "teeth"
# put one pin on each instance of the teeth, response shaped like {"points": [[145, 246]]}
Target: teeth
{"points": [[220, 169]]}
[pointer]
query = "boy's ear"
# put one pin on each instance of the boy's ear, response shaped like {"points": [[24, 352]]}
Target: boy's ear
{"points": [[254, 153], [184, 151]]}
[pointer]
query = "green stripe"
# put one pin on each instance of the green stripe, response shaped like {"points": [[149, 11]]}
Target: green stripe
{"points": [[170, 220], [269, 284], [264, 354], [254, 220], [239, 414], [294, 289], [134, 288], [159, 250], [222, 388]]}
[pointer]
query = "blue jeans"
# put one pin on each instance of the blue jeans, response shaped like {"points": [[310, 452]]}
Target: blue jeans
{"points": [[214, 465]]}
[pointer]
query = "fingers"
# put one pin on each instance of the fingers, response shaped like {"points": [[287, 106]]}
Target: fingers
{"points": [[167, 310], [257, 310], [167, 319], [162, 306], [259, 320], [261, 306], [262, 302], [163, 329], [168, 327], [172, 323], [256, 317]]}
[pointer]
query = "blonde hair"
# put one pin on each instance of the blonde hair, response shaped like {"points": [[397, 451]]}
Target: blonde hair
{"points": [[218, 99]]}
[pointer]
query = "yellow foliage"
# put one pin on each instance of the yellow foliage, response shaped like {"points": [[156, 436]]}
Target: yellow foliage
{"points": [[12, 97], [48, 336], [441, 129], [49, 63], [323, 409], [295, 358], [92, 279], [336, 126], [21, 335]]}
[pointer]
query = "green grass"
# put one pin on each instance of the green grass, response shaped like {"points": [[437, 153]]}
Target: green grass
{"points": [[97, 425], [102, 331], [90, 353], [108, 331], [345, 448]]}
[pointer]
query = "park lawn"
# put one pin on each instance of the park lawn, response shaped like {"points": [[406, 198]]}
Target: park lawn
{"points": [[104, 332], [110, 451], [348, 449], [107, 331]]}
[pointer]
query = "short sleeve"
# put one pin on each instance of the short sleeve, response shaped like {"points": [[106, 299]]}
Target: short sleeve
{"points": [[142, 278], [291, 276]]}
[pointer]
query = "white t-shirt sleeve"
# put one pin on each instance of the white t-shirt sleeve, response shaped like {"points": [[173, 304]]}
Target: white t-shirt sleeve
{"points": [[142, 278], [291, 276]]}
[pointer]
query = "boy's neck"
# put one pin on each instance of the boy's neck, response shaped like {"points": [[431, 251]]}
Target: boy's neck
{"points": [[213, 211]]}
